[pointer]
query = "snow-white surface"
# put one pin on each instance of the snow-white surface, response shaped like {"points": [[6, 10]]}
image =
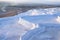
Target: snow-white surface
{"points": [[18, 25], [47, 11]]}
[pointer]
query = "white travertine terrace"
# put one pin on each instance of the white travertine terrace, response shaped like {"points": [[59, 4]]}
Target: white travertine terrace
{"points": [[58, 19], [28, 25]]}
